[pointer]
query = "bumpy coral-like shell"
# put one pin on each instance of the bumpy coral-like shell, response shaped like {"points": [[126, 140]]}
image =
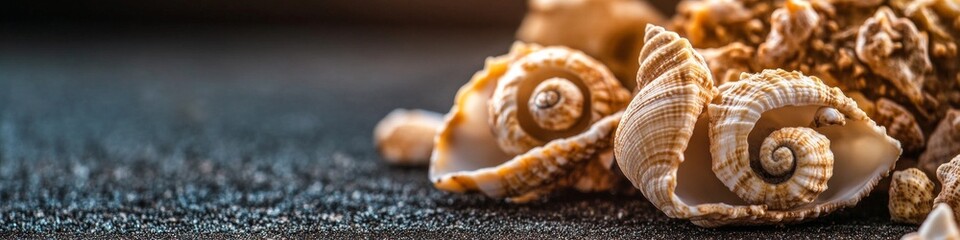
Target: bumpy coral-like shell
{"points": [[662, 142], [940, 224], [467, 156], [911, 196], [894, 49], [729, 61], [949, 176], [791, 26], [609, 30], [542, 98], [715, 23], [405, 137], [943, 143]]}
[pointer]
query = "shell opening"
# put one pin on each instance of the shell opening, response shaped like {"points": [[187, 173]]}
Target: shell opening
{"points": [[557, 104]]}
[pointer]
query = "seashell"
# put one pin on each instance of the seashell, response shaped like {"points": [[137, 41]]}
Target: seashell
{"points": [[942, 145], [791, 26], [534, 120], [405, 137], [948, 174], [727, 62], [911, 196], [542, 98], [940, 224], [663, 140], [900, 124], [894, 49], [609, 30], [754, 106]]}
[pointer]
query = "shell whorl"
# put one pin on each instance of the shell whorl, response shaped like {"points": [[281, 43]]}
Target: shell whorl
{"points": [[796, 164], [674, 85], [761, 180], [550, 94]]}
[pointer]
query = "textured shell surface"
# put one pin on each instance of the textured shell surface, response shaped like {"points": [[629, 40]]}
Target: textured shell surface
{"points": [[680, 138], [405, 137], [491, 142], [942, 145], [903, 52], [911, 196], [940, 224], [948, 174], [674, 85], [609, 30]]}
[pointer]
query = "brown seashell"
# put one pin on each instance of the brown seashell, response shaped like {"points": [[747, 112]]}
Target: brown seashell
{"points": [[900, 124], [911, 196], [728, 62], [942, 145], [405, 137]]}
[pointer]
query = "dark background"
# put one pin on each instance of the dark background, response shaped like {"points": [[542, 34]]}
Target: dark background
{"points": [[226, 118]]}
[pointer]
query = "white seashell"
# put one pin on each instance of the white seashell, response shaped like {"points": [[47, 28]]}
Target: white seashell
{"points": [[940, 224], [405, 137], [507, 136]]}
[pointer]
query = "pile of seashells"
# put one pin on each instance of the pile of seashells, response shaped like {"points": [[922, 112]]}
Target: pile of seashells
{"points": [[737, 113]]}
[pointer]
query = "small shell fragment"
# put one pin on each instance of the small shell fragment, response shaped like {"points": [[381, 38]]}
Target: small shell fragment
{"points": [[405, 137], [911, 196]]}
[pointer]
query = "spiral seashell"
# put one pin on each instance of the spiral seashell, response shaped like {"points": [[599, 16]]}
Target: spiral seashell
{"points": [[779, 184], [674, 86], [533, 120], [552, 93]]}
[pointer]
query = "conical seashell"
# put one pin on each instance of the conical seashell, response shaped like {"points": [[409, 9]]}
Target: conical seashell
{"points": [[674, 85], [942, 145], [949, 176], [405, 137], [533, 120], [940, 224], [609, 30], [662, 142], [549, 94], [911, 196], [894, 49]]}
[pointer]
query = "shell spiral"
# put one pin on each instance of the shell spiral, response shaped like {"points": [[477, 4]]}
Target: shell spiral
{"points": [[806, 162], [550, 94], [674, 86]]}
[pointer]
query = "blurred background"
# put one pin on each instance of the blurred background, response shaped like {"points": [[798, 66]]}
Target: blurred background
{"points": [[433, 13]]}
